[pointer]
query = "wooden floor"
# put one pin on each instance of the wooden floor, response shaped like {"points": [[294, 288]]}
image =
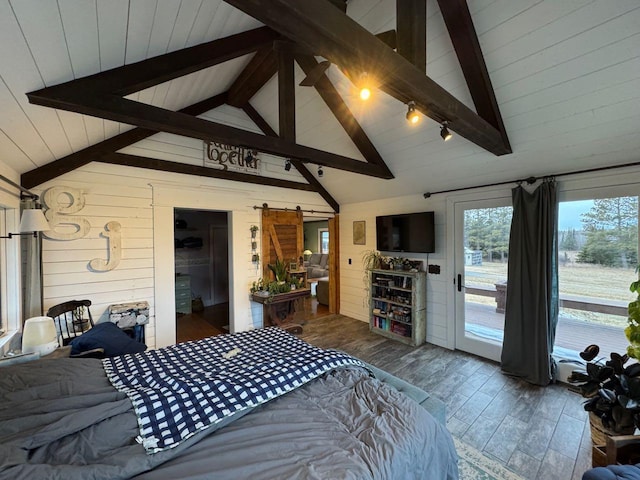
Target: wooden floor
{"points": [[214, 320], [540, 433]]}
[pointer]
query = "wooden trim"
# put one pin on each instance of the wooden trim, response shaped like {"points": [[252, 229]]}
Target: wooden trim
{"points": [[334, 264], [338, 38], [92, 153], [184, 168], [465, 41]]}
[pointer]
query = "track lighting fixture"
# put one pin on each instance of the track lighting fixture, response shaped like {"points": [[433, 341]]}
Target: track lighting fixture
{"points": [[444, 131], [365, 89], [287, 165], [412, 115], [320, 172]]}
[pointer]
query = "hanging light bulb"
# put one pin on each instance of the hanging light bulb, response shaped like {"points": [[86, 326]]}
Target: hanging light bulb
{"points": [[444, 131], [365, 90], [412, 115], [287, 165], [320, 171]]}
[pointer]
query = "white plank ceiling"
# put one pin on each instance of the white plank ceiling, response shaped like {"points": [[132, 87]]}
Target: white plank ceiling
{"points": [[566, 75]]}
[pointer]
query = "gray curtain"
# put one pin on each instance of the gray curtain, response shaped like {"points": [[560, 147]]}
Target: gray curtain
{"points": [[531, 312], [31, 272]]}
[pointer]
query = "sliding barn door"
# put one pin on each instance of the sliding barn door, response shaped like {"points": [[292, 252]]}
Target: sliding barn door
{"points": [[282, 238]]}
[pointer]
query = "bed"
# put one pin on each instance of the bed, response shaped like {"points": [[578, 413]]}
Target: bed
{"points": [[261, 404]]}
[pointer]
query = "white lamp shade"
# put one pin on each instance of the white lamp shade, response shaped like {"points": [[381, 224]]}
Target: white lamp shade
{"points": [[307, 252], [39, 335], [33, 220]]}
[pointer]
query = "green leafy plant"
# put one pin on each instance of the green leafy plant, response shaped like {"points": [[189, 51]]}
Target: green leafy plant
{"points": [[371, 259], [279, 270], [612, 390], [632, 331]]}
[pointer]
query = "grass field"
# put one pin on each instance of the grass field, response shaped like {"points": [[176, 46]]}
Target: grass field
{"points": [[585, 280]]}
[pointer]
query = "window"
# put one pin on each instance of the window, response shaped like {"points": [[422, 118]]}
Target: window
{"points": [[323, 240], [597, 256]]}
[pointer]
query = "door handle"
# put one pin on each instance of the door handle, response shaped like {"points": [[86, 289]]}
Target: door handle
{"points": [[459, 282]]}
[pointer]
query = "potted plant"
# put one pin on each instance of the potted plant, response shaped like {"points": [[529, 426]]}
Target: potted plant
{"points": [[612, 391], [397, 263], [279, 270], [371, 260], [253, 229], [632, 331]]}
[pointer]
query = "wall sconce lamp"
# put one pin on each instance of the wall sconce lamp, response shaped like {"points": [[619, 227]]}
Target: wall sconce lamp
{"points": [[31, 222], [412, 114], [444, 131], [287, 165]]}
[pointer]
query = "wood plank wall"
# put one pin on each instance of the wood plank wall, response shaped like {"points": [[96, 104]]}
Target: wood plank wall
{"points": [[126, 195]]}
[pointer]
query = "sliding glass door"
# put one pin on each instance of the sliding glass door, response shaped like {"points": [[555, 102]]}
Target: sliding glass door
{"points": [[481, 242], [598, 257]]}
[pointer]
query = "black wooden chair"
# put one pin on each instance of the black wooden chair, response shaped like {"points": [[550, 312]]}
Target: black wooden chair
{"points": [[71, 318]]}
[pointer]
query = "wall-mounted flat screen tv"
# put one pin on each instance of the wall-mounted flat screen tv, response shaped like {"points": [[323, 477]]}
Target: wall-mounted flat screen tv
{"points": [[409, 232]]}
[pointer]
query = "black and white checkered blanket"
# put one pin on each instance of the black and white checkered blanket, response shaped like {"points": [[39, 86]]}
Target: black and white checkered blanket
{"points": [[179, 390]]}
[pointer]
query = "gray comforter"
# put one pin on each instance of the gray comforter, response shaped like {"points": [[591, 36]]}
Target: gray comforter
{"points": [[61, 419]]}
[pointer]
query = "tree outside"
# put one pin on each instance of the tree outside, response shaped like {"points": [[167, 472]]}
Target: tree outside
{"points": [[611, 228]]}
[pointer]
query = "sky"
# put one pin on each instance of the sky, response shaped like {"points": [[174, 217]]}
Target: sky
{"points": [[570, 214]]}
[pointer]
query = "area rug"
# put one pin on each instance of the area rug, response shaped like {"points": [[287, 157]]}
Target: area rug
{"points": [[473, 465]]}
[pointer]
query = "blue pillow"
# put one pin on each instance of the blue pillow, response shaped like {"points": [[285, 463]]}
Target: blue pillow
{"points": [[108, 336]]}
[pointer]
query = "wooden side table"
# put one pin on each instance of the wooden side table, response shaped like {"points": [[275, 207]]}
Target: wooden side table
{"points": [[279, 309]]}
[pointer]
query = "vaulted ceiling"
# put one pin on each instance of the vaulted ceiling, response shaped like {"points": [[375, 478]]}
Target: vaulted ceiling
{"points": [[566, 77]]}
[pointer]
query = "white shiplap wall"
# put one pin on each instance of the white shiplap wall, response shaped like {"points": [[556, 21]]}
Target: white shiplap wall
{"points": [[353, 300], [143, 202], [440, 288]]}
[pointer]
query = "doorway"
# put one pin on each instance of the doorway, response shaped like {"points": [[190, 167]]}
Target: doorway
{"points": [[201, 243], [481, 243]]}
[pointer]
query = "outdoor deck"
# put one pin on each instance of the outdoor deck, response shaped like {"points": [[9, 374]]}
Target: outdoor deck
{"points": [[571, 334]]}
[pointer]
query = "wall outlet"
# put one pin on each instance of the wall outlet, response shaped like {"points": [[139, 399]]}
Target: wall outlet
{"points": [[435, 269]]}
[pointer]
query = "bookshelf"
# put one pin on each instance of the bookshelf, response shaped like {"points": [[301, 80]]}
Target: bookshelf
{"points": [[398, 305]]}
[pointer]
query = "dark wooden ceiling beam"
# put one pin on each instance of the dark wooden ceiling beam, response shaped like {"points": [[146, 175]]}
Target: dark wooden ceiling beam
{"points": [[286, 92], [343, 114], [66, 164], [411, 36], [260, 69], [465, 41], [153, 71], [176, 167], [262, 124], [150, 117], [332, 34], [341, 4]]}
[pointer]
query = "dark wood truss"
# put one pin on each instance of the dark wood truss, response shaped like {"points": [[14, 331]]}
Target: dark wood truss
{"points": [[295, 31]]}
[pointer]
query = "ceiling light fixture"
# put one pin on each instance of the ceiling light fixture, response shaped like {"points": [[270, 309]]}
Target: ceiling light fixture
{"points": [[444, 131], [365, 90], [412, 114], [287, 165], [320, 172]]}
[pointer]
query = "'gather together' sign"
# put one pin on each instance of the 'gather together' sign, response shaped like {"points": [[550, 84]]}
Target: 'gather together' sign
{"points": [[230, 157]]}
